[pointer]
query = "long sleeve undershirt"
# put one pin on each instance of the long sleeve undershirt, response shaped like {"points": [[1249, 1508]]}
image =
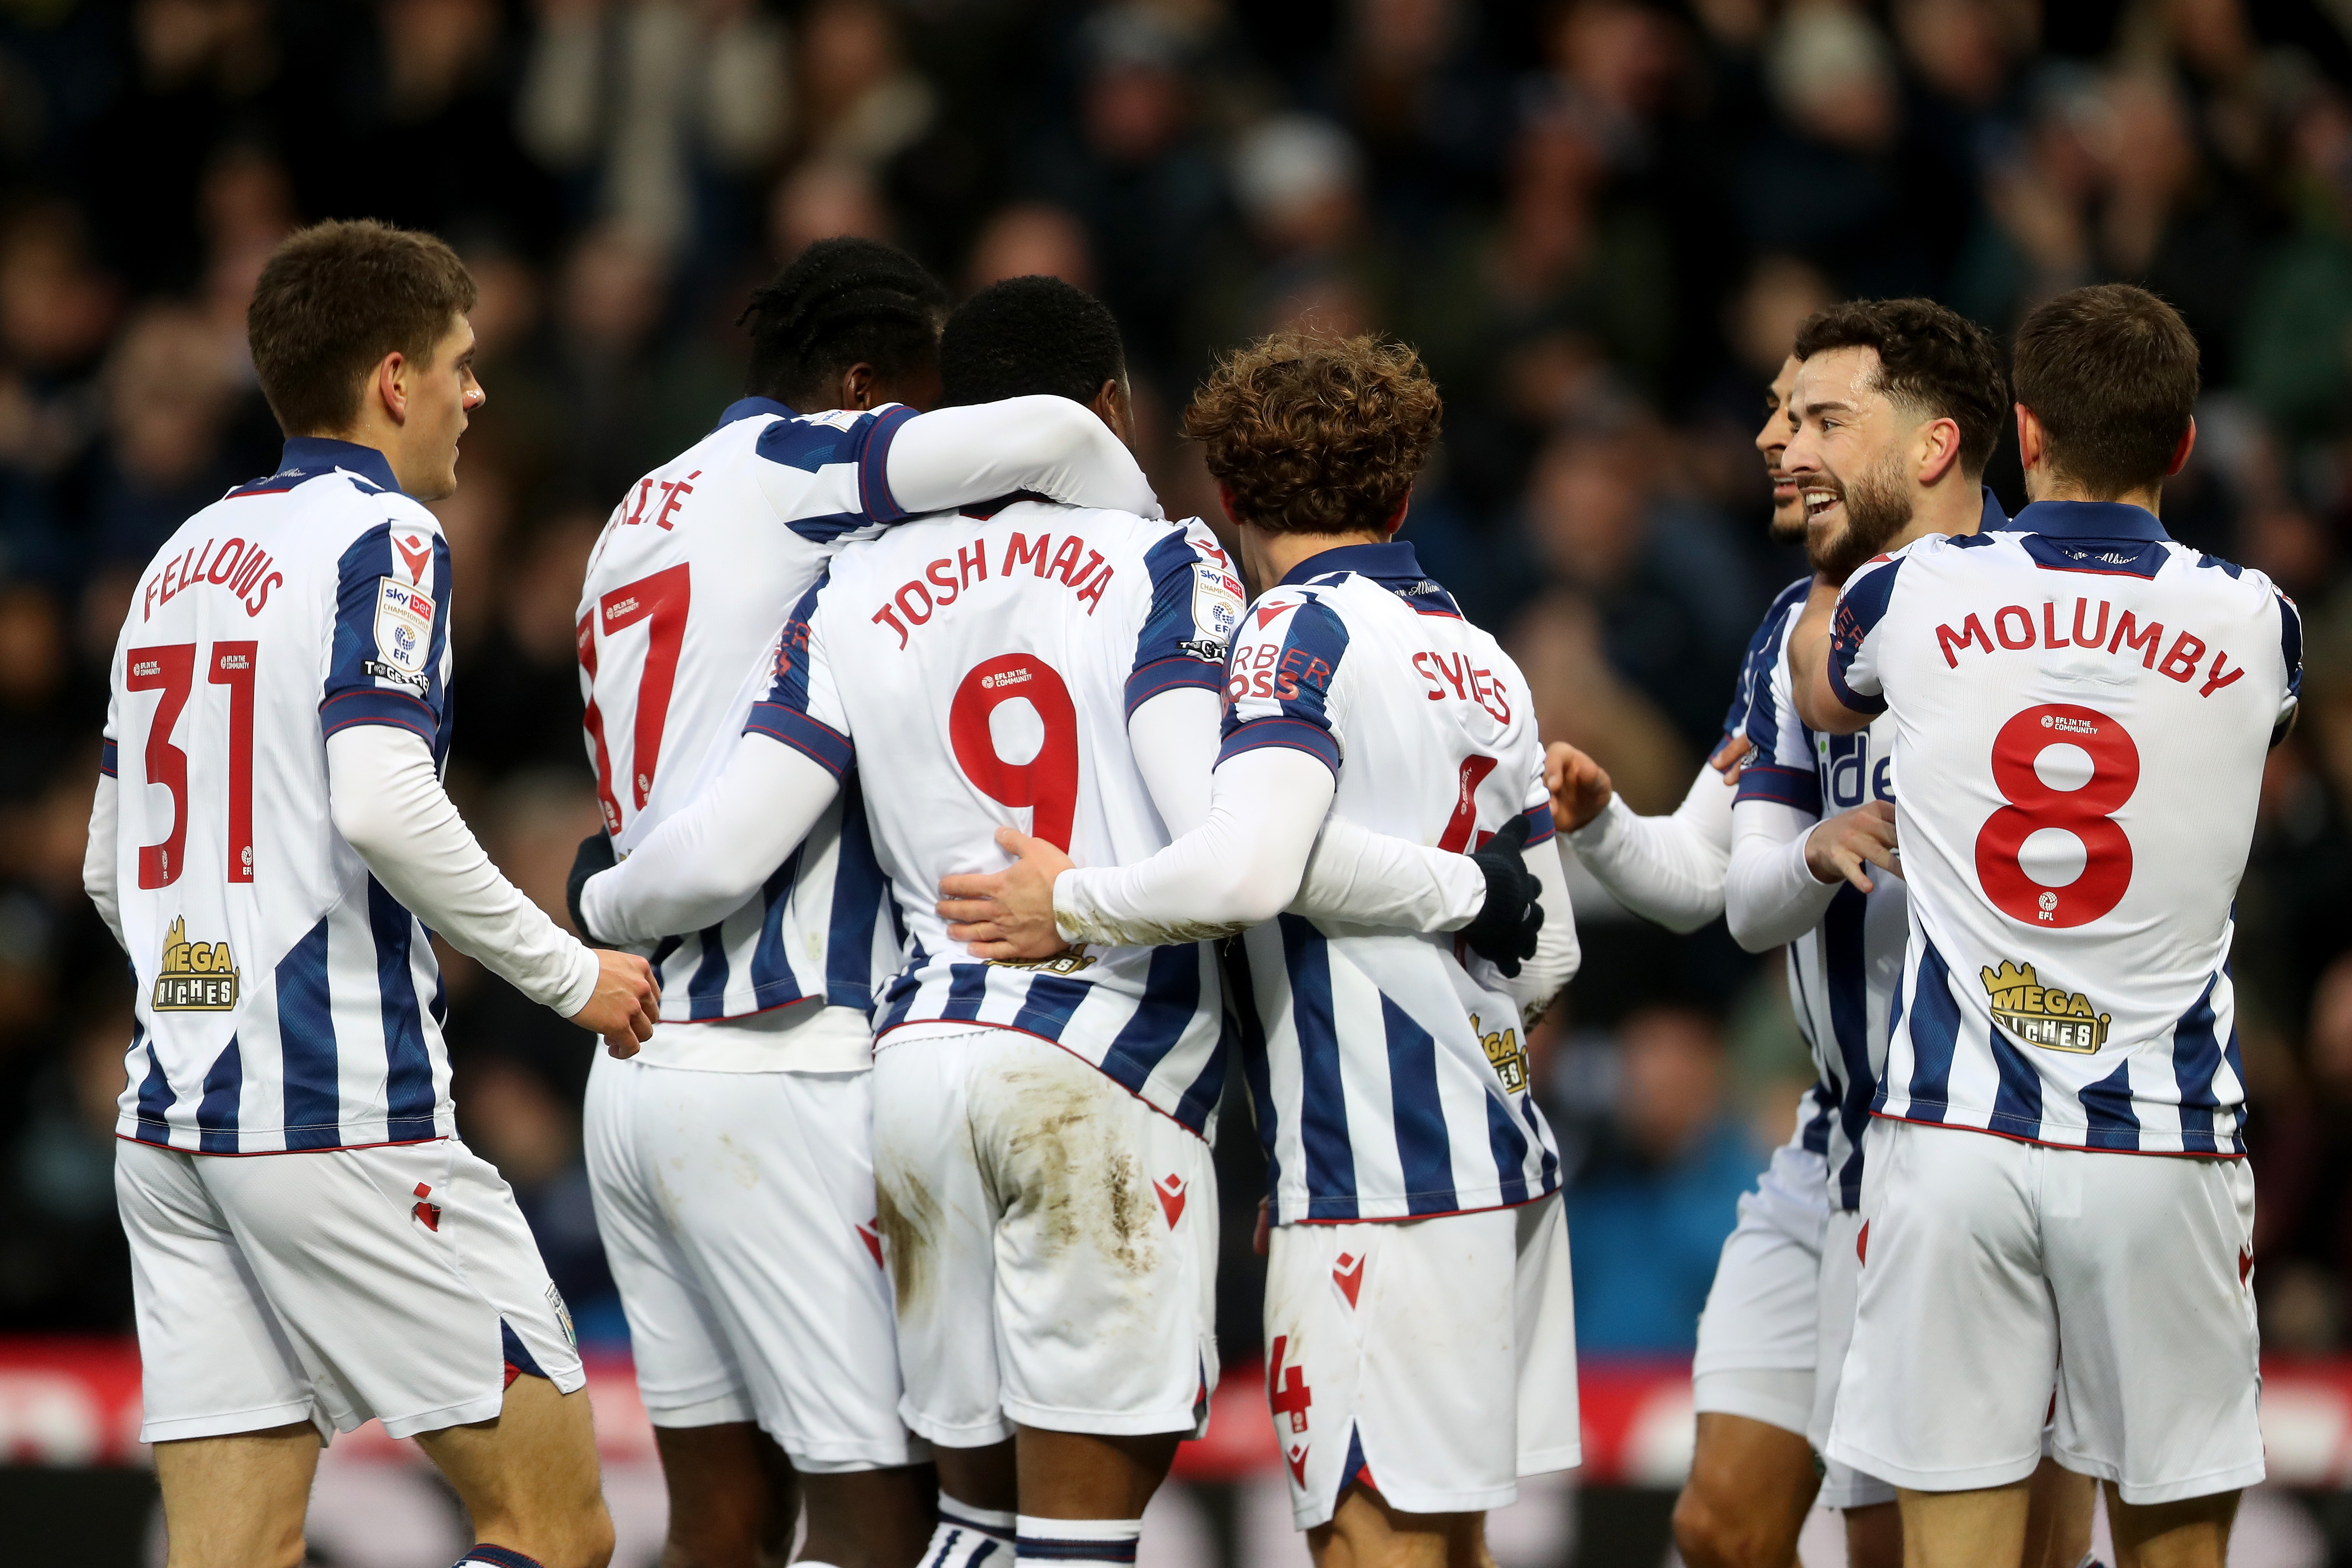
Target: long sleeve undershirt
{"points": [[1058, 449], [97, 856], [706, 860], [1245, 863], [389, 805], [1770, 895], [1668, 868]]}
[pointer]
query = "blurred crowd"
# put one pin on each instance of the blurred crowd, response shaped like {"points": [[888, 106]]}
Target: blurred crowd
{"points": [[1599, 220]]}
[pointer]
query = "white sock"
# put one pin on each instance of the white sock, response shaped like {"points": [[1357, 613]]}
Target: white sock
{"points": [[1080, 1542], [967, 1536]]}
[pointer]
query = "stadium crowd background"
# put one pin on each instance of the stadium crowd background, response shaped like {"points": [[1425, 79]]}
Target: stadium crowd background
{"points": [[1598, 220]]}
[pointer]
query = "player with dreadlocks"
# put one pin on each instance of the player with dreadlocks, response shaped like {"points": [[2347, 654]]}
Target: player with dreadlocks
{"points": [[730, 1159]]}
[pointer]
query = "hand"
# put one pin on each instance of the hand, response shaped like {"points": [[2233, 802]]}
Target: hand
{"points": [[1731, 758], [624, 1005], [1579, 786], [1505, 929], [595, 854], [1262, 1240], [1007, 914], [1839, 848]]}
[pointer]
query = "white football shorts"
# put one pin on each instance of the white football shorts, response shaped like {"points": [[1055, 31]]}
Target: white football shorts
{"points": [[329, 1286], [1843, 1485], [1433, 1360], [1052, 1240], [737, 1210], [1758, 1335], [1983, 1254]]}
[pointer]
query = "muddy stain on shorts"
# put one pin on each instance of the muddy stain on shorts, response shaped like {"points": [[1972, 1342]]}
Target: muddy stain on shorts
{"points": [[908, 1219], [1065, 1163]]}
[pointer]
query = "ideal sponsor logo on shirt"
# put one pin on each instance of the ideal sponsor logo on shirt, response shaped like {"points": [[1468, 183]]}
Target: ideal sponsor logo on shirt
{"points": [[196, 977], [2050, 1015]]}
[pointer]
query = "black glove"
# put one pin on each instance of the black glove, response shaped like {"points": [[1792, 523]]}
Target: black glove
{"points": [[595, 854], [1505, 930]]}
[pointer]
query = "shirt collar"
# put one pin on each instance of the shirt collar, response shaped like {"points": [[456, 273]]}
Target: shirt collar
{"points": [[2088, 519], [744, 407], [1393, 559], [307, 456], [1994, 517]]}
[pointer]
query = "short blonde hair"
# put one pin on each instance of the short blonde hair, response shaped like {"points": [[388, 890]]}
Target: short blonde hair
{"points": [[1314, 433]]}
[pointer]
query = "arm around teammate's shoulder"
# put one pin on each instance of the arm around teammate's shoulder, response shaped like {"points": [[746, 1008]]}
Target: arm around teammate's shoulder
{"points": [[1058, 449]]}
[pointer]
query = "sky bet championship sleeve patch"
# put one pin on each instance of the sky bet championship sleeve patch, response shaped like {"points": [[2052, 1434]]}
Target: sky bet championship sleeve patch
{"points": [[1217, 606], [403, 633]]}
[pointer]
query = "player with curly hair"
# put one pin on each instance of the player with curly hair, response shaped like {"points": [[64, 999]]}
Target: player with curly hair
{"points": [[1421, 1353]]}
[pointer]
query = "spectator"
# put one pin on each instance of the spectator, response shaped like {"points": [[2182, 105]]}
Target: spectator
{"points": [[1648, 1211]]}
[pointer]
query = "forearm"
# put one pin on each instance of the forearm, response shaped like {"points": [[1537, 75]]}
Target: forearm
{"points": [[1669, 870], [1770, 894], [1558, 953], [388, 803], [1356, 877], [97, 856], [1240, 867], [706, 860], [1050, 445]]}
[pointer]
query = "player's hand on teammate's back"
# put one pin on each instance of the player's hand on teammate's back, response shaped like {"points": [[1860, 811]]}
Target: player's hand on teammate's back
{"points": [[1579, 786], [1840, 847], [595, 854], [1505, 929], [1007, 914], [624, 1005]]}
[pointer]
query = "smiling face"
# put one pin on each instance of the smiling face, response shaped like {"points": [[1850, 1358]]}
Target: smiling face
{"points": [[1787, 525], [442, 395], [1846, 453]]}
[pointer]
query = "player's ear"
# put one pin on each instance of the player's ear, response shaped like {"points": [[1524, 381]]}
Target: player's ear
{"points": [[2181, 453], [388, 387], [856, 389], [1939, 442], [2032, 446], [1115, 408]]}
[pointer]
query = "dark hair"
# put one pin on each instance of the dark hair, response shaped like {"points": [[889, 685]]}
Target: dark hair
{"points": [[1026, 336], [1312, 433], [1930, 358], [841, 302], [2111, 371], [332, 301]]}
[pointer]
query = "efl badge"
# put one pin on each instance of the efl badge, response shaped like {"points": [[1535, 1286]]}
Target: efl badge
{"points": [[1508, 1057], [404, 631], [1216, 604], [197, 976], [2051, 1016]]}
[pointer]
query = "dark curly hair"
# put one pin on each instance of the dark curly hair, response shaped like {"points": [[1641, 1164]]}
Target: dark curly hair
{"points": [[1931, 359], [1313, 433], [841, 302], [1026, 336]]}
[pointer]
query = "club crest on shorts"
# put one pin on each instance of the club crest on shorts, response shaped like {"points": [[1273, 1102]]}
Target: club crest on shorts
{"points": [[404, 632], [197, 976], [1503, 1052], [2050, 1017]]}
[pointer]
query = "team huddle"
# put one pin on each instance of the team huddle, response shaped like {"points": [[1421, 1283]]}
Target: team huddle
{"points": [[966, 825]]}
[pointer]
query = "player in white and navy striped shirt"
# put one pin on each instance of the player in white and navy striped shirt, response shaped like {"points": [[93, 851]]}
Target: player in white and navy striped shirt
{"points": [[1040, 1129], [2081, 709], [1420, 1364], [762, 1306], [270, 846]]}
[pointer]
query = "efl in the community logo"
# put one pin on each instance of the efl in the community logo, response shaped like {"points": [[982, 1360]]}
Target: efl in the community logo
{"points": [[2039, 1015], [197, 976]]}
